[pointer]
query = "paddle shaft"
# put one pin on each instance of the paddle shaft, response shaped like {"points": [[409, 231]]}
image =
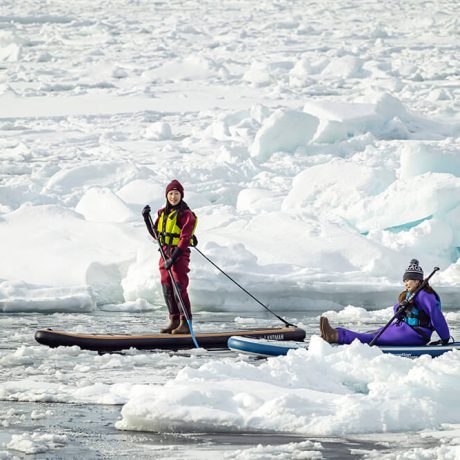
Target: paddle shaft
{"points": [[244, 290], [176, 290], [401, 307]]}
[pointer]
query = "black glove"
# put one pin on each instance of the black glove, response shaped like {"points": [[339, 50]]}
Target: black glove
{"points": [[401, 307], [440, 342], [146, 211], [403, 304], [170, 262]]}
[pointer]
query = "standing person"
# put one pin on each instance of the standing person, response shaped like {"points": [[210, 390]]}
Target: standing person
{"points": [[414, 325], [175, 225]]}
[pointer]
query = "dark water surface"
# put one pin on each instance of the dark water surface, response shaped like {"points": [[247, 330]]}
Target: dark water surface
{"points": [[90, 428]]}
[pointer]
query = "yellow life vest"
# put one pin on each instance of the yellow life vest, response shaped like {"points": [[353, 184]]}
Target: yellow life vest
{"points": [[169, 232]]}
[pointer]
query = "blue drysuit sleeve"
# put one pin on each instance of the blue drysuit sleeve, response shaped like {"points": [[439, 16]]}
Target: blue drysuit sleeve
{"points": [[431, 304]]}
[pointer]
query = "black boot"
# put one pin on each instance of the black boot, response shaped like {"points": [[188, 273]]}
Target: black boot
{"points": [[169, 300]]}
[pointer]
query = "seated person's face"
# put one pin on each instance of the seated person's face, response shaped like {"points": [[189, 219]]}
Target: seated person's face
{"points": [[411, 285]]}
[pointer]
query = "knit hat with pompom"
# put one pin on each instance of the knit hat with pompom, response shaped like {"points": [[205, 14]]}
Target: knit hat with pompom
{"points": [[413, 271]]}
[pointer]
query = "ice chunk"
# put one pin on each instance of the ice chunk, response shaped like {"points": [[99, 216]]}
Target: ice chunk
{"points": [[158, 131], [336, 184], [283, 131], [102, 205], [141, 192], [423, 157], [408, 200], [258, 74], [257, 200], [345, 67]]}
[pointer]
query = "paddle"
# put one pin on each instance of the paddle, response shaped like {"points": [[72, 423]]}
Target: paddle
{"points": [[152, 232], [244, 290], [151, 229], [403, 305]]}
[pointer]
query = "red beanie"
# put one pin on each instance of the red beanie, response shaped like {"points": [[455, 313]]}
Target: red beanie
{"points": [[175, 185]]}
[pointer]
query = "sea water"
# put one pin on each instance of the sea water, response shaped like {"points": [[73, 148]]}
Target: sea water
{"points": [[65, 402]]}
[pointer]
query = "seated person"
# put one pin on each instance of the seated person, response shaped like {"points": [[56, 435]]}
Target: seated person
{"points": [[414, 325]]}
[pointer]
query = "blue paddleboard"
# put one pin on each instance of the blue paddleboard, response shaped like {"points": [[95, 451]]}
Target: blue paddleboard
{"points": [[266, 348]]}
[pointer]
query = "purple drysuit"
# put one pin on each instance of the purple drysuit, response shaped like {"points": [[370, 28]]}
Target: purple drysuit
{"points": [[400, 333]]}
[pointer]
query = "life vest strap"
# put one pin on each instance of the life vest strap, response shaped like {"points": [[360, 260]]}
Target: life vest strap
{"points": [[171, 238], [415, 316], [421, 333]]}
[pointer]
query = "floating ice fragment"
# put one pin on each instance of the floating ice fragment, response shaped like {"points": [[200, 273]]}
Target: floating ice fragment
{"points": [[283, 131]]}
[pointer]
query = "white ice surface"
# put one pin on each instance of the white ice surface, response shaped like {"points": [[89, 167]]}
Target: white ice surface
{"points": [[365, 391], [36, 443], [319, 147]]}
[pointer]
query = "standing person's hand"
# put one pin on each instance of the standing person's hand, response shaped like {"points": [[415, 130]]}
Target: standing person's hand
{"points": [[146, 211], [170, 262]]}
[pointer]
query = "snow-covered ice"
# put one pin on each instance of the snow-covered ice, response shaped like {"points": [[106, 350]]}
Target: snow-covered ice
{"points": [[293, 394], [36, 443], [319, 145]]}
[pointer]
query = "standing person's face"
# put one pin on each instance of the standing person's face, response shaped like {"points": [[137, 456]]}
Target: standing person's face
{"points": [[411, 285], [174, 197]]}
